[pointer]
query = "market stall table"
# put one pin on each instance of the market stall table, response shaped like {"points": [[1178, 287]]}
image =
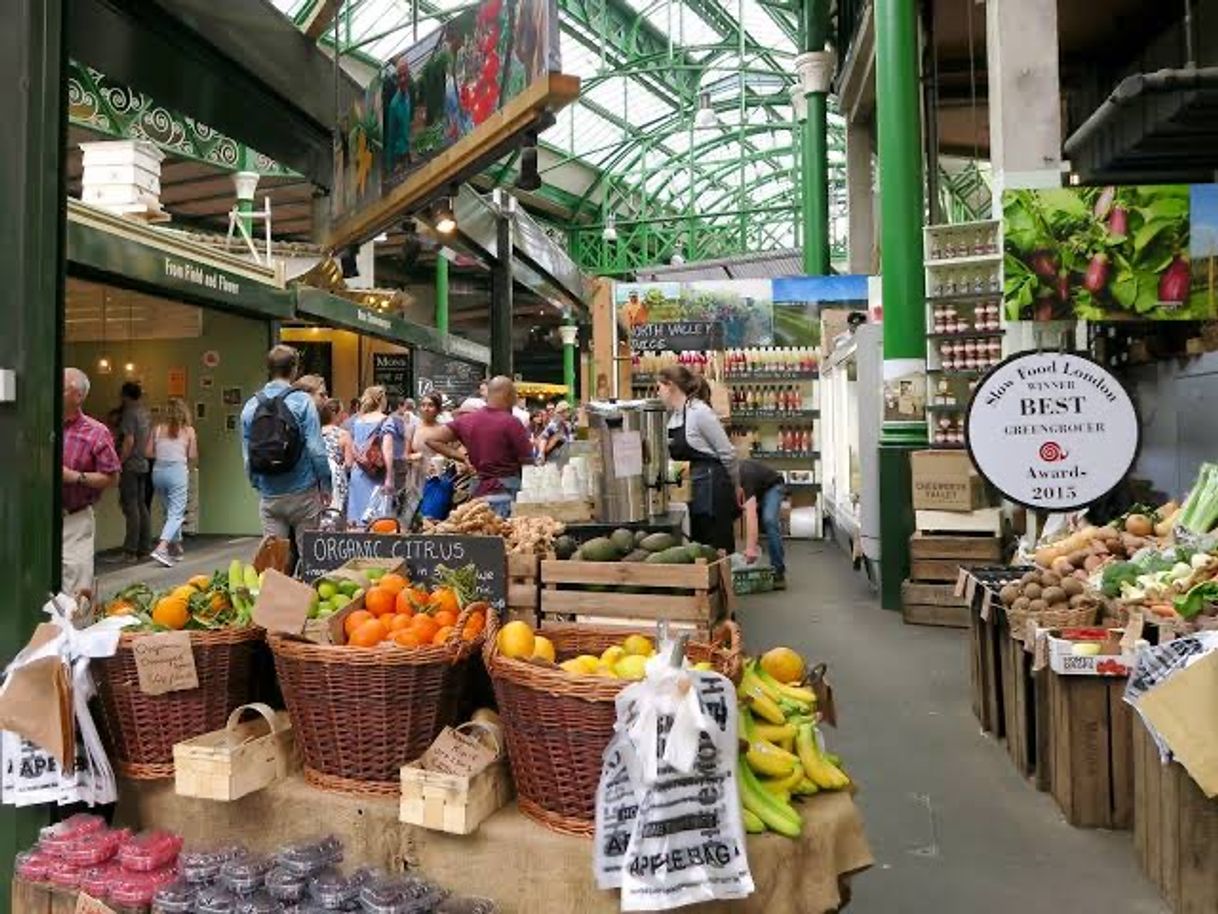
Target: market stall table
{"points": [[524, 867]]}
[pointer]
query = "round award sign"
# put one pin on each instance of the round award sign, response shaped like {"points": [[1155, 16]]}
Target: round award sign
{"points": [[1052, 431]]}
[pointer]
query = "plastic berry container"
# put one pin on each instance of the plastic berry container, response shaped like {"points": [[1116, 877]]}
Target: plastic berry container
{"points": [[32, 865], [203, 866], [63, 874], [95, 848], [259, 902], [286, 886], [400, 895], [245, 873], [149, 850], [334, 891], [134, 889], [98, 880], [215, 899], [466, 904], [178, 897], [311, 855], [82, 823]]}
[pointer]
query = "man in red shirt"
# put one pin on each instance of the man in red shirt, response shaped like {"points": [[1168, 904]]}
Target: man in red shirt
{"points": [[90, 466], [496, 443]]}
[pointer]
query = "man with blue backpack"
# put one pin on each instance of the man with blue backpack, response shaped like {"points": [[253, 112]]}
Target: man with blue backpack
{"points": [[285, 455]]}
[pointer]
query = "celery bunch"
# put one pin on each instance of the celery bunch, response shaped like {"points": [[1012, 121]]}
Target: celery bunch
{"points": [[1200, 512]]}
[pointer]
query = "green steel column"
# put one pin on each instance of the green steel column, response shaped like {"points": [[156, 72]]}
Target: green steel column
{"points": [[570, 334], [33, 65], [903, 281], [814, 144], [441, 292]]}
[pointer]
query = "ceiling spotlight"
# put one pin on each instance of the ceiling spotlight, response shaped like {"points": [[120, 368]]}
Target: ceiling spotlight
{"points": [[677, 259], [129, 368], [609, 232], [103, 365], [381, 238], [706, 117], [529, 179], [443, 217]]}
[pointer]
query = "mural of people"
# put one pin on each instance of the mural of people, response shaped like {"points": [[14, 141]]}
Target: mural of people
{"points": [[399, 115]]}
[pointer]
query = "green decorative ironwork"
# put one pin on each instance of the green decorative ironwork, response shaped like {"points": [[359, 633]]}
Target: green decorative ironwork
{"points": [[97, 104]]}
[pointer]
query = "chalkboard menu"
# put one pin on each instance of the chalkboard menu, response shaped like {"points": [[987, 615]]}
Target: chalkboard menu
{"points": [[391, 370], [324, 551], [444, 374], [677, 336]]}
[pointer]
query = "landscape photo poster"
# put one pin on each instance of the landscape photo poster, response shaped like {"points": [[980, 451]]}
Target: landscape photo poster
{"points": [[1129, 252], [743, 308], [799, 303], [438, 91]]}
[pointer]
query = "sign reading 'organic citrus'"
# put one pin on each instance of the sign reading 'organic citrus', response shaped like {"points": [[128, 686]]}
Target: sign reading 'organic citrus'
{"points": [[1053, 431]]}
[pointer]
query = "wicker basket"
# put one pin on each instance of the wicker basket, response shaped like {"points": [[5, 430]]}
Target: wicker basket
{"points": [[1073, 617], [141, 729], [361, 713], [557, 725]]}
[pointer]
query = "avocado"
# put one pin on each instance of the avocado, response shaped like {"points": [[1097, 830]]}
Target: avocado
{"points": [[600, 549], [622, 539], [564, 547], [658, 542], [639, 536], [677, 555], [638, 555]]}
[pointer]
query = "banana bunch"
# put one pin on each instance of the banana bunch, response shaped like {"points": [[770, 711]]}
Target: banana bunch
{"points": [[781, 756], [244, 582]]}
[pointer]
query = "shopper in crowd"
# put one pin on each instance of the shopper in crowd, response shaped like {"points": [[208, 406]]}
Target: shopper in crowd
{"points": [[284, 454], [430, 409], [406, 492], [337, 440], [370, 455], [763, 495], [352, 414], [695, 434], [521, 412], [554, 443], [315, 386], [90, 466], [496, 443], [175, 447], [133, 426]]}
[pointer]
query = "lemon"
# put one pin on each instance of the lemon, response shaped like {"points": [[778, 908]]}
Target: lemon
{"points": [[632, 666], [639, 645], [1086, 649], [703, 666], [588, 664], [516, 640], [543, 648], [571, 666], [613, 654], [606, 670]]}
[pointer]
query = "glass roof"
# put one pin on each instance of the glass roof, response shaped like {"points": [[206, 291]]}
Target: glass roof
{"points": [[644, 78]]}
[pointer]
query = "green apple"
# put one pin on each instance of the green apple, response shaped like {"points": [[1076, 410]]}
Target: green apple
{"points": [[374, 574], [347, 587], [359, 592], [327, 589], [322, 608], [339, 600]]}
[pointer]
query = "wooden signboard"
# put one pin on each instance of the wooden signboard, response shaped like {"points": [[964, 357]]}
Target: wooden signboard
{"points": [[391, 370], [454, 378]]}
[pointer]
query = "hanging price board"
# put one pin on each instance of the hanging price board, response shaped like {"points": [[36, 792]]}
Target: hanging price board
{"points": [[1052, 431]]}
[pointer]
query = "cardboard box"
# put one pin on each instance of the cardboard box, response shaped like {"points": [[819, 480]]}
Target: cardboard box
{"points": [[945, 481], [1063, 661]]}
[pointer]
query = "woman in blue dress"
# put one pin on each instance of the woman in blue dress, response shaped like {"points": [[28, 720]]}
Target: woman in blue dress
{"points": [[372, 448]]}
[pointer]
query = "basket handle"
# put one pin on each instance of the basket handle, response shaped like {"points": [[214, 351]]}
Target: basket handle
{"points": [[484, 728], [267, 712], [490, 648], [461, 649]]}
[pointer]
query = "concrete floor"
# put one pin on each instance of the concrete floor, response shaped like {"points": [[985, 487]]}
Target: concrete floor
{"points": [[953, 828], [203, 556]]}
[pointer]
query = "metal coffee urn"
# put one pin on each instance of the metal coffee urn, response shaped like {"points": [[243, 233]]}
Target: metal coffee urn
{"points": [[631, 442]]}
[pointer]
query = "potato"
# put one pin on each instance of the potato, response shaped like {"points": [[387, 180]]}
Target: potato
{"points": [[1032, 577], [1054, 596], [1108, 534], [1037, 606], [1139, 525], [1092, 563], [1079, 557], [1021, 604], [1008, 594], [1072, 586], [1061, 565], [1050, 579], [1032, 591], [1099, 547], [1044, 556]]}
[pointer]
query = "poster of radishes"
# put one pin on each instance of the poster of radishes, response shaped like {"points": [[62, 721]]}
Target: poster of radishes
{"points": [[1106, 253]]}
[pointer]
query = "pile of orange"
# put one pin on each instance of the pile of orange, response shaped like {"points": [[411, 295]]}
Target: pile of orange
{"points": [[398, 612]]}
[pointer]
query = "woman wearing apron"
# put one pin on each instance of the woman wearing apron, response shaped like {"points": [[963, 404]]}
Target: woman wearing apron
{"points": [[696, 435]]}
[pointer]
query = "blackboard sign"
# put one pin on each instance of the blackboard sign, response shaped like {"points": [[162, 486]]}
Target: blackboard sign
{"points": [[316, 357], [324, 551], [444, 374], [391, 370], [677, 336]]}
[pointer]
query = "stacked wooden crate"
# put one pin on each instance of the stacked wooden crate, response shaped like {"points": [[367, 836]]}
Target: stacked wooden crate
{"points": [[929, 597]]}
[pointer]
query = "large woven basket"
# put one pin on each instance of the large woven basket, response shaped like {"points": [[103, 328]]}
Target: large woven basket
{"points": [[1074, 617], [141, 729], [360, 713], [557, 724]]}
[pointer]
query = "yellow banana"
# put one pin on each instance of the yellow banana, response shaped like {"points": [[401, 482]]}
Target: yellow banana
{"points": [[750, 689], [797, 694], [777, 815], [787, 743], [821, 772], [767, 759], [752, 824], [767, 682], [804, 788], [782, 787], [775, 733]]}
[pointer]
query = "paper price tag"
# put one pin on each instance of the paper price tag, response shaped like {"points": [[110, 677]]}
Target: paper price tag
{"points": [[1133, 632], [970, 589], [961, 582], [455, 753], [283, 603], [87, 904], [165, 663], [986, 604], [627, 454], [1030, 636], [1040, 656]]}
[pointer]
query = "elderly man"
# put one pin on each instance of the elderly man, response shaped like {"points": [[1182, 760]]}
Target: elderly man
{"points": [[90, 466], [496, 443]]}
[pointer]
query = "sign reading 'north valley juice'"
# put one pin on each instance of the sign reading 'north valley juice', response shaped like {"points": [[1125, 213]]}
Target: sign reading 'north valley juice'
{"points": [[1053, 431]]}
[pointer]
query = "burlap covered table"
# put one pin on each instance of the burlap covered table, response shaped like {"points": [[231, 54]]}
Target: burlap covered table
{"points": [[524, 867]]}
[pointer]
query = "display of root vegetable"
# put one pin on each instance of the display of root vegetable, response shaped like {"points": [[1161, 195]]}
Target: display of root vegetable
{"points": [[524, 535], [1038, 591], [1086, 551]]}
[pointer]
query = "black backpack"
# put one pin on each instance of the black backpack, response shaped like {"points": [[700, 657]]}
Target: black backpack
{"points": [[275, 443]]}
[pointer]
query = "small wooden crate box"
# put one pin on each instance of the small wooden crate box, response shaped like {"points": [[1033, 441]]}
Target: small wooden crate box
{"points": [[243, 757], [523, 587], [697, 596], [454, 803]]}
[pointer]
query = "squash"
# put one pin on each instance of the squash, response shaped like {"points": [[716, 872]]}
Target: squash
{"points": [[120, 607], [173, 611]]}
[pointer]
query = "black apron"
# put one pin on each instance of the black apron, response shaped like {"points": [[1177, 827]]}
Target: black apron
{"points": [[712, 508]]}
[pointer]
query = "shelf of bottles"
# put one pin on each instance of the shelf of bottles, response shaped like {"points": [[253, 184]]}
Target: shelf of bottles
{"points": [[964, 329]]}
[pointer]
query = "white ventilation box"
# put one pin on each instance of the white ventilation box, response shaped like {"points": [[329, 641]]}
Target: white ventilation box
{"points": [[122, 175]]}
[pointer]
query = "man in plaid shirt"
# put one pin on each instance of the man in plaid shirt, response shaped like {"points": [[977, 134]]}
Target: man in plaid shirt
{"points": [[90, 466]]}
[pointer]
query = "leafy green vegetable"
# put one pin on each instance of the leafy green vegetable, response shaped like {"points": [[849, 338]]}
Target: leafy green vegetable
{"points": [[1189, 605], [1200, 511], [1115, 575]]}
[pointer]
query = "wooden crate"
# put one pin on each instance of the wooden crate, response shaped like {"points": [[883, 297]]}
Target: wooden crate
{"points": [[227, 764], [985, 675], [453, 803], [568, 588], [29, 897], [522, 587], [933, 604], [1018, 702], [939, 558], [1043, 727], [1091, 744], [986, 521]]}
